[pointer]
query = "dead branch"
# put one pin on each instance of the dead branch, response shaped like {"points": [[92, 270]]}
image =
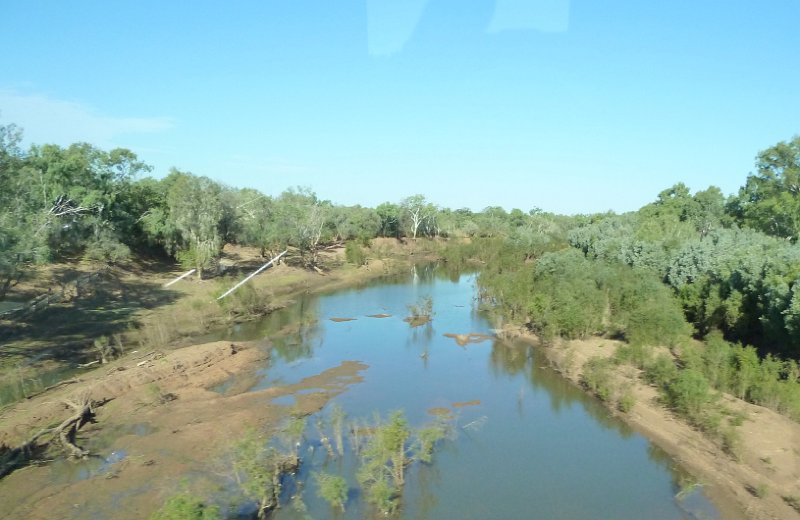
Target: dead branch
{"points": [[63, 434], [57, 385]]}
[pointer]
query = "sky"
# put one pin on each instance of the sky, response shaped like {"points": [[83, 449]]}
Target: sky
{"points": [[564, 105]]}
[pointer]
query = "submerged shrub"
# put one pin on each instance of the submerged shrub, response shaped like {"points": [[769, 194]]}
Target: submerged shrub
{"points": [[186, 507], [332, 489]]}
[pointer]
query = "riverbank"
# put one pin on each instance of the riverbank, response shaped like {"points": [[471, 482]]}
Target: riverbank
{"points": [[754, 485], [128, 308], [160, 419], [157, 407]]}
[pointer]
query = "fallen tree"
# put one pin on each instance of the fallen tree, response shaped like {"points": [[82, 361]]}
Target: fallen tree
{"points": [[62, 436]]}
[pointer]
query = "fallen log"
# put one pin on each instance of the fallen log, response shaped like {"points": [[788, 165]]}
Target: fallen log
{"points": [[63, 434], [51, 387]]}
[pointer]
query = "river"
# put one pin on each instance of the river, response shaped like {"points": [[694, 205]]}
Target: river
{"points": [[526, 443]]}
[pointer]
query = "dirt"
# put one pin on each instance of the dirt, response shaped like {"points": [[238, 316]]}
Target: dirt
{"points": [[131, 307], [158, 411], [163, 439], [769, 455]]}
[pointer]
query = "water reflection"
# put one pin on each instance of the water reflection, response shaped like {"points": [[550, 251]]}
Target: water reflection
{"points": [[530, 440]]}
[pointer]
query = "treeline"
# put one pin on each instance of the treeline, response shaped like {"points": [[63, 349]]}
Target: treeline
{"points": [[687, 266], [82, 202]]}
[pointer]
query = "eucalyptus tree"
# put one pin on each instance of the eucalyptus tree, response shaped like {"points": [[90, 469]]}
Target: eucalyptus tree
{"points": [[195, 212], [770, 199], [56, 201], [418, 214], [23, 219], [389, 215]]}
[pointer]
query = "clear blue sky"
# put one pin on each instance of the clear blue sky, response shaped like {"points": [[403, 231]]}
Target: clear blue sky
{"points": [[570, 106]]}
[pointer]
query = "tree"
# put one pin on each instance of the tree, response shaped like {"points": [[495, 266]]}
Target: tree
{"points": [[195, 211], [332, 488], [390, 219], [770, 200], [417, 212]]}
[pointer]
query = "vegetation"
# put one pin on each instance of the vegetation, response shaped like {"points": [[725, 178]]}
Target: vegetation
{"points": [[715, 280], [686, 267], [186, 507], [420, 312], [388, 448], [332, 489]]}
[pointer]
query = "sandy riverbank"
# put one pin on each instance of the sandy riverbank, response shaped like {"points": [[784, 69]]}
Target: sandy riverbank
{"points": [[164, 417], [769, 456]]}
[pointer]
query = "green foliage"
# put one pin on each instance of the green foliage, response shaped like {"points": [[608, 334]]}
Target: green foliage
{"points": [[383, 462], [636, 354], [626, 401], [354, 253], [186, 507], [689, 394], [660, 371], [793, 501], [423, 308], [254, 464], [426, 439], [598, 377], [770, 200], [332, 489]]}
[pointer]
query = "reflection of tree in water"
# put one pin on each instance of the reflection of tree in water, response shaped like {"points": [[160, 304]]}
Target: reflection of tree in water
{"points": [[520, 358], [294, 330], [681, 480], [429, 479]]}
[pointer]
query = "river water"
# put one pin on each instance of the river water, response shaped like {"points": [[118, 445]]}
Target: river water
{"points": [[526, 443]]}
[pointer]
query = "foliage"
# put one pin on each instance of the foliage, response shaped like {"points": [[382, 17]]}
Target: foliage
{"points": [[383, 462], [391, 445], [423, 308], [427, 437], [354, 253], [186, 507], [254, 467], [598, 378], [332, 489]]}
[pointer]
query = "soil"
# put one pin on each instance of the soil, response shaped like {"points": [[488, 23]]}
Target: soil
{"points": [[132, 309], [163, 416], [768, 459], [159, 416]]}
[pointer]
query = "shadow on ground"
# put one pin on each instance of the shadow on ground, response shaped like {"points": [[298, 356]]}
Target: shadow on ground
{"points": [[63, 331]]}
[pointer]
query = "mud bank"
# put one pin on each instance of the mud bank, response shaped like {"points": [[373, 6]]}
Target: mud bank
{"points": [[769, 460], [160, 422]]}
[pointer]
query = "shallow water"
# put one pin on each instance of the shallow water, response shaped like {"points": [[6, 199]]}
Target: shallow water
{"points": [[528, 443]]}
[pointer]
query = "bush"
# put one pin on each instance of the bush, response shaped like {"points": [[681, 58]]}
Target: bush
{"points": [[598, 378], [638, 354], [689, 394], [626, 401], [186, 507], [332, 489], [354, 253], [660, 371]]}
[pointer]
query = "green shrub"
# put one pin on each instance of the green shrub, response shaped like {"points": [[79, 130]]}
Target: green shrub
{"points": [[186, 507], [626, 401], [598, 377], [637, 354], [354, 253], [332, 489], [660, 371], [690, 395]]}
